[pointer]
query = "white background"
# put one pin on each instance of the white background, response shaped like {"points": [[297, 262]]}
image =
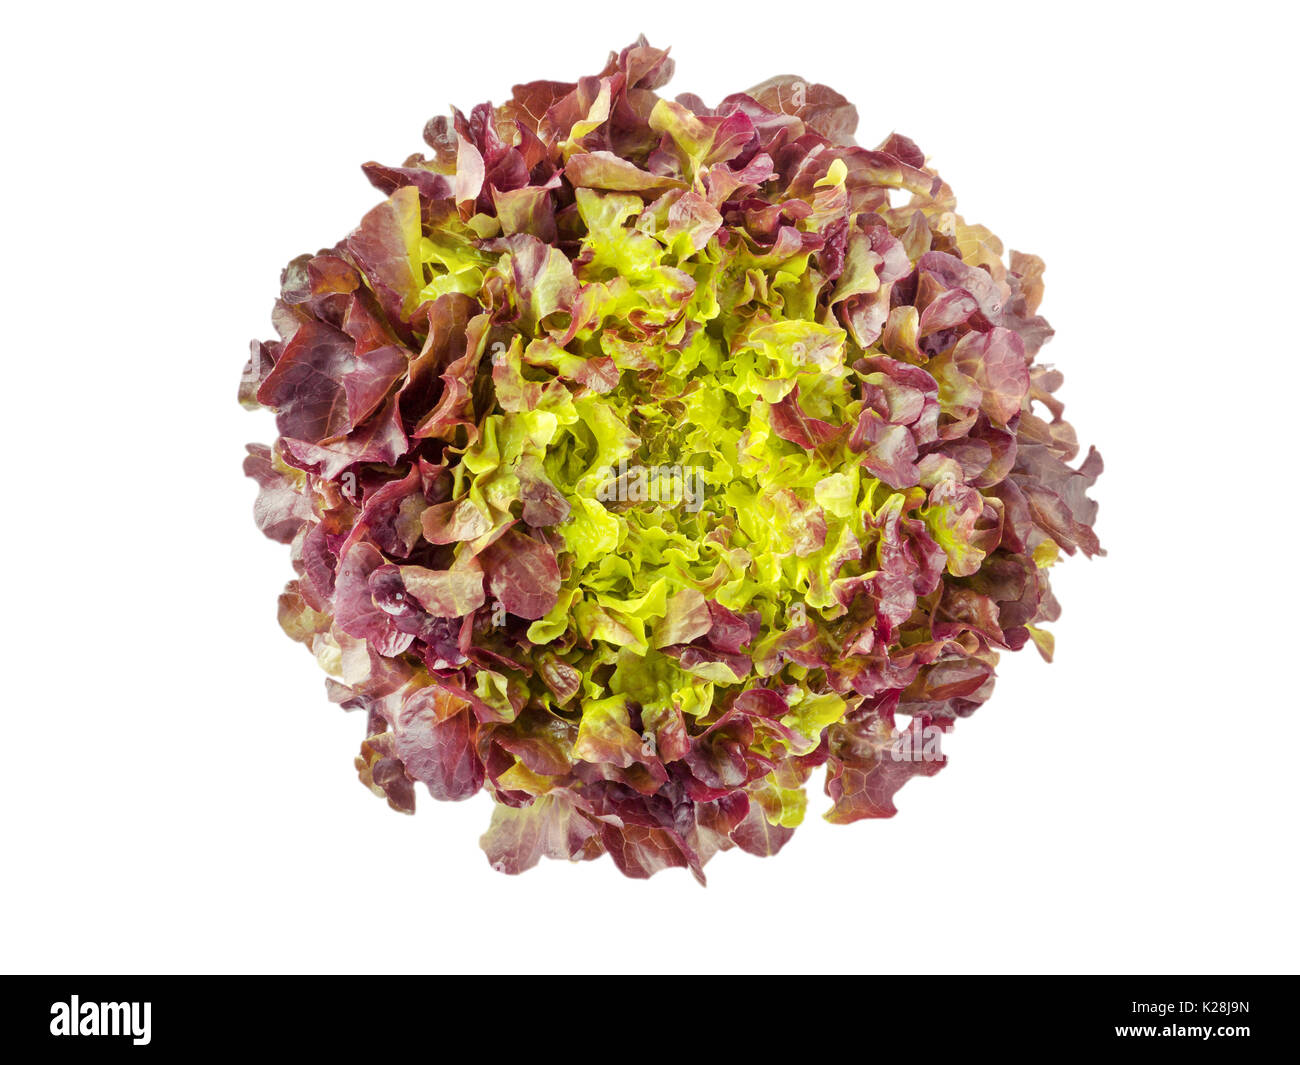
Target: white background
{"points": [[177, 794]]}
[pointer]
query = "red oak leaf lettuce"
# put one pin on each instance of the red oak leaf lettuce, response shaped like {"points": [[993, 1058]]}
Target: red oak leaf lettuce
{"points": [[639, 458]]}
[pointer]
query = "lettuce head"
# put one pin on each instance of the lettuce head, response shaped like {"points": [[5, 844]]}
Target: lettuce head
{"points": [[639, 458]]}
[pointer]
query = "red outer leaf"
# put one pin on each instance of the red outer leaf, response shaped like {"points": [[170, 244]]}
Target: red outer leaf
{"points": [[439, 753], [522, 574]]}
